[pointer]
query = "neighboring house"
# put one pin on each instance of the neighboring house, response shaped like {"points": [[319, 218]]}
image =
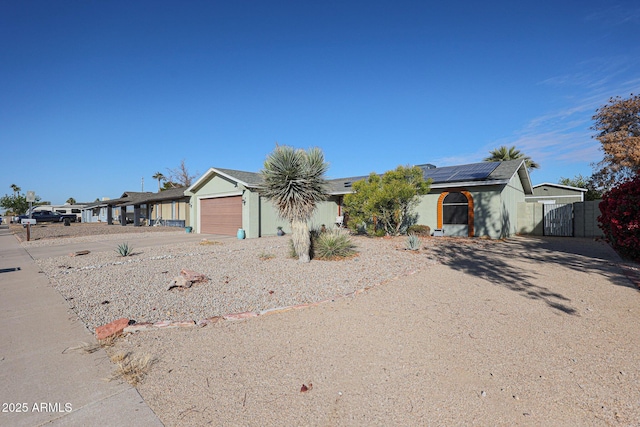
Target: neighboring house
{"points": [[142, 208], [556, 194], [171, 206], [468, 200], [110, 210]]}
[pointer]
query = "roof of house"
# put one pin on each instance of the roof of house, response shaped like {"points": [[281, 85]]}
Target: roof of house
{"points": [[130, 198], [474, 174]]}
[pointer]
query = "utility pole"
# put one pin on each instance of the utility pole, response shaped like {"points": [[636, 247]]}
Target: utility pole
{"points": [[143, 184]]}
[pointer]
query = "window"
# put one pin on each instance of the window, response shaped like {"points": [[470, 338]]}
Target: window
{"points": [[455, 209]]}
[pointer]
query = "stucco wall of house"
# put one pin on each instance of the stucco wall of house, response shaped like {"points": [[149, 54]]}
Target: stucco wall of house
{"points": [[512, 194], [488, 211], [427, 210], [325, 213], [495, 209]]}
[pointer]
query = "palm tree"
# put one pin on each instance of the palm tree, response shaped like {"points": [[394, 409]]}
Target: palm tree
{"points": [[503, 154], [294, 182], [160, 177], [15, 189], [71, 201]]}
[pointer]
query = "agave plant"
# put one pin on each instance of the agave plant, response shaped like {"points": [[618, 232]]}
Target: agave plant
{"points": [[124, 249], [413, 242], [294, 182]]}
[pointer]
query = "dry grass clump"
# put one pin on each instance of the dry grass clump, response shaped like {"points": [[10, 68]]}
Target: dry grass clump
{"points": [[264, 256], [131, 368], [206, 242], [88, 348]]}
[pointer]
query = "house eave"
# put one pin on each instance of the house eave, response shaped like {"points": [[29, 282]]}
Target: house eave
{"points": [[206, 176]]}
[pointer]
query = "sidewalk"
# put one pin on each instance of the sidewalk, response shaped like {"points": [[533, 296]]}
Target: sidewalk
{"points": [[40, 382]]}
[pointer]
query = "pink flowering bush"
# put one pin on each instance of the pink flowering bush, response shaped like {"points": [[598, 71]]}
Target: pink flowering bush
{"points": [[620, 218]]}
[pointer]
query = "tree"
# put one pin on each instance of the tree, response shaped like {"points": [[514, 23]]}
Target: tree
{"points": [[71, 201], [180, 176], [294, 182], [16, 203], [580, 181], [618, 130], [503, 154], [160, 177], [386, 202]]}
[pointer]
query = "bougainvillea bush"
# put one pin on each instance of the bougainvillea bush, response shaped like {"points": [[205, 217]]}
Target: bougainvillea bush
{"points": [[620, 218]]}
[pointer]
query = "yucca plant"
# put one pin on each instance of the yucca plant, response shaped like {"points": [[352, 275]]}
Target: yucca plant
{"points": [[294, 182], [413, 242], [124, 249]]}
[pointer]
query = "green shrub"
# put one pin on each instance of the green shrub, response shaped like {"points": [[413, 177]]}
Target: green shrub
{"points": [[419, 230], [124, 249], [330, 244], [333, 244], [413, 242]]}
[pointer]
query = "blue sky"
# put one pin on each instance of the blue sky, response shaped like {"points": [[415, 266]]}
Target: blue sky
{"points": [[95, 96]]}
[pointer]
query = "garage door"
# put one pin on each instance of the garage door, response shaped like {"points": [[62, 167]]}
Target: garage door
{"points": [[222, 215]]}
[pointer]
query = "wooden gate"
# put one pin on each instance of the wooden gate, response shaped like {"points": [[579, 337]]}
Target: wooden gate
{"points": [[558, 220]]}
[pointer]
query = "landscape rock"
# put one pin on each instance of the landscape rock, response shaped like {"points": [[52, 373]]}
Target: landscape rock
{"points": [[78, 253], [114, 328], [240, 316], [186, 279], [179, 282], [192, 276], [138, 327]]}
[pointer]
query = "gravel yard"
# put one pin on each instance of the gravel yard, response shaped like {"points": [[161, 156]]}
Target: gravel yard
{"points": [[244, 275], [53, 232]]}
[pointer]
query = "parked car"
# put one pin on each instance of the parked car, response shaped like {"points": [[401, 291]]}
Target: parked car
{"points": [[49, 216]]}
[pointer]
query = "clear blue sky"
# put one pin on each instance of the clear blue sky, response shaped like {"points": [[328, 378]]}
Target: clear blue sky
{"points": [[96, 95]]}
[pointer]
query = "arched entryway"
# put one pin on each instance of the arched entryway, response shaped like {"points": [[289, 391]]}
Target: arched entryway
{"points": [[455, 208]]}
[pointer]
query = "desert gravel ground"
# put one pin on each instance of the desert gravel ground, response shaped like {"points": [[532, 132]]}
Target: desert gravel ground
{"points": [[529, 331]]}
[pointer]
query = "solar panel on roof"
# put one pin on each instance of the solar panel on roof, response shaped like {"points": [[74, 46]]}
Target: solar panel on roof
{"points": [[471, 172]]}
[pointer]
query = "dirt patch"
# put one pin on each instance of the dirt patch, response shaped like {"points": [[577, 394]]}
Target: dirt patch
{"points": [[57, 231]]}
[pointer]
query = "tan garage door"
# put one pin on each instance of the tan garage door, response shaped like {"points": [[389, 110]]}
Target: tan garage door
{"points": [[222, 215]]}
